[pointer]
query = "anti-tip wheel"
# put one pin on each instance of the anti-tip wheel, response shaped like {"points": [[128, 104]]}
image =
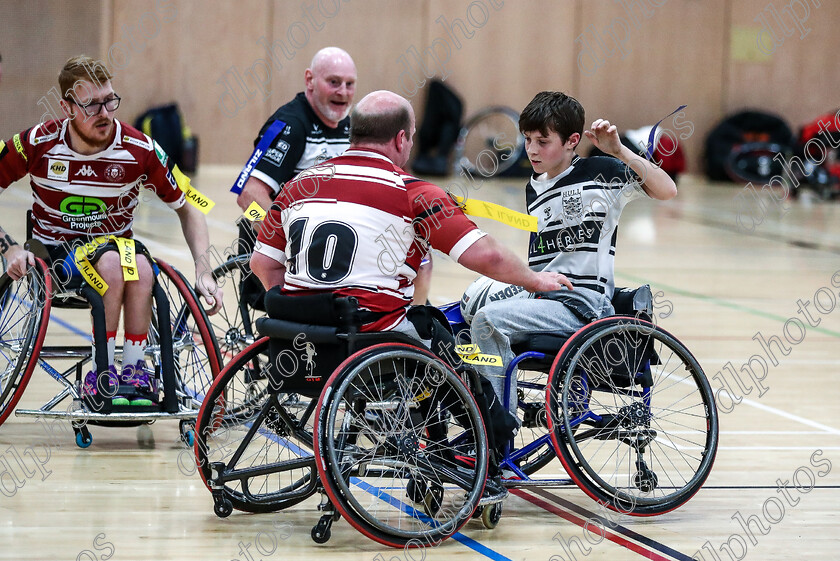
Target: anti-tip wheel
{"points": [[223, 508], [83, 438], [491, 515]]}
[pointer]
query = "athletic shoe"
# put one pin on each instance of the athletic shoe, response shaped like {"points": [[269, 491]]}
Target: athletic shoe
{"points": [[90, 389], [143, 379]]}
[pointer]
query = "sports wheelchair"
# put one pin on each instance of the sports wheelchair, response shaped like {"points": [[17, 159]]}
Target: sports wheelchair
{"points": [[396, 443], [234, 324], [181, 347]]}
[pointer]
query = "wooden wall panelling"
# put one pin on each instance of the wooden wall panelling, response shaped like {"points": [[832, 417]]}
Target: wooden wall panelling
{"points": [[799, 78], [197, 59], [374, 32], [668, 56], [521, 48], [38, 37]]}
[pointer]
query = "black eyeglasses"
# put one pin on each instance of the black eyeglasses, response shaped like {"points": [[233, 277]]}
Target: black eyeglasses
{"points": [[93, 108]]}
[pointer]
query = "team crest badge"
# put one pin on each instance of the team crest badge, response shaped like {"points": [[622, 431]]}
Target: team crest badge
{"points": [[115, 173], [572, 204]]}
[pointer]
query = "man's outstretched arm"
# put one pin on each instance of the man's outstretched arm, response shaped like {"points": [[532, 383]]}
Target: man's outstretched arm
{"points": [[490, 258]]}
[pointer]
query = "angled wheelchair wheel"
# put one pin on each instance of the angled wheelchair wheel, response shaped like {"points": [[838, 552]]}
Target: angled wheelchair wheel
{"points": [[633, 417], [24, 315], [262, 438], [489, 142], [234, 324], [400, 446], [195, 350]]}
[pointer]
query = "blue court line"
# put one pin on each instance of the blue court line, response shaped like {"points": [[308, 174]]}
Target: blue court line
{"points": [[66, 325], [70, 327], [378, 492]]}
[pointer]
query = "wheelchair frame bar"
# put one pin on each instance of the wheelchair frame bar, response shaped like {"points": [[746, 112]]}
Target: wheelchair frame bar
{"points": [[512, 368]]}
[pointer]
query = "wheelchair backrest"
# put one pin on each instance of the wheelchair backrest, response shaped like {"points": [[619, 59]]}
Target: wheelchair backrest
{"points": [[310, 336], [636, 302]]}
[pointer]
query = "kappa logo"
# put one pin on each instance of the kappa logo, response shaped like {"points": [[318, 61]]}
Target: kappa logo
{"points": [[58, 170], [86, 171]]}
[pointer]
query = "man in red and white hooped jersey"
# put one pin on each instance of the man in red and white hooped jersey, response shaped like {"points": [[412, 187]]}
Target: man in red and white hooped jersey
{"points": [[359, 225], [86, 171]]}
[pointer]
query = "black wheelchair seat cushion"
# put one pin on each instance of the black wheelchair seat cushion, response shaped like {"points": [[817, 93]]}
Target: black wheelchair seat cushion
{"points": [[310, 335], [322, 308]]}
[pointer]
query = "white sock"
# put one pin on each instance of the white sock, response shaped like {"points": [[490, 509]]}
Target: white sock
{"points": [[134, 349], [111, 343]]}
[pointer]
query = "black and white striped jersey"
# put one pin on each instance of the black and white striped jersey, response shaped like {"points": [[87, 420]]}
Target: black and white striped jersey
{"points": [[303, 142], [578, 214]]}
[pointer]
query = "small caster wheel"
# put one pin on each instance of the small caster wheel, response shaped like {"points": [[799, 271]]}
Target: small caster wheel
{"points": [[646, 481], [187, 429], [433, 500], [83, 438], [321, 536], [416, 489], [491, 515], [223, 508], [321, 532]]}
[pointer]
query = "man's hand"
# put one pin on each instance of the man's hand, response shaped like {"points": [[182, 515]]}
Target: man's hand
{"points": [[212, 292], [605, 137], [547, 282], [18, 261]]}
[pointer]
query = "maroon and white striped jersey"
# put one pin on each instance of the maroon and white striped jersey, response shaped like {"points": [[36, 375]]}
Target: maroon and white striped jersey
{"points": [[80, 195], [359, 225]]}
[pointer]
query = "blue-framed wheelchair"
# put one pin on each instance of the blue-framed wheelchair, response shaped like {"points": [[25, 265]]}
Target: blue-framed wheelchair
{"points": [[622, 403], [395, 439], [181, 349]]}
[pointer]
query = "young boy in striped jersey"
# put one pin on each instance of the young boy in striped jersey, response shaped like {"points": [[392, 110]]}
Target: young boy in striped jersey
{"points": [[577, 202]]}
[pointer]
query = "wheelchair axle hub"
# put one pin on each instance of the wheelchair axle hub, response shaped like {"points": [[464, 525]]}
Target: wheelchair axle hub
{"points": [[233, 336], [407, 444], [634, 415]]}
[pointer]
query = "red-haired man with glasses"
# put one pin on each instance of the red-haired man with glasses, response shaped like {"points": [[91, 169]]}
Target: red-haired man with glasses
{"points": [[86, 172]]}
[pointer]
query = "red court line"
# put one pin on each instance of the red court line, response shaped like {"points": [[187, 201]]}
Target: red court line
{"points": [[612, 536]]}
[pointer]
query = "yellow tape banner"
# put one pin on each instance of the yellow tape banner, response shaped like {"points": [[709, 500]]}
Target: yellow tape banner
{"points": [[474, 207], [254, 212], [127, 259], [488, 360], [195, 197], [19, 147], [466, 350], [88, 272], [471, 355]]}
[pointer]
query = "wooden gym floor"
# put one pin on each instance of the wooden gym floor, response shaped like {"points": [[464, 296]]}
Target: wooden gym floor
{"points": [[722, 289]]}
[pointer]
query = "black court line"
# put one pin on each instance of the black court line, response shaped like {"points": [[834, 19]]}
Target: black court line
{"points": [[705, 487], [613, 526]]}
